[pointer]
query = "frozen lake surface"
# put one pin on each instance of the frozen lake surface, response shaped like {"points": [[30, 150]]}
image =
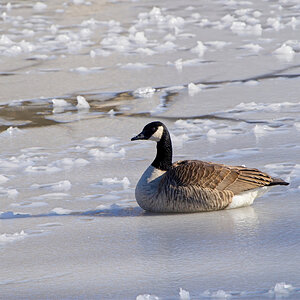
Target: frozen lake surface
{"points": [[78, 80]]}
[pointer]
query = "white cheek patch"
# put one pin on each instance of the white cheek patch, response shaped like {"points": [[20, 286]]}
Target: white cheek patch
{"points": [[156, 136]]}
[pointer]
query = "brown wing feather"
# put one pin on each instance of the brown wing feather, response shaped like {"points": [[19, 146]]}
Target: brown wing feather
{"points": [[216, 176]]}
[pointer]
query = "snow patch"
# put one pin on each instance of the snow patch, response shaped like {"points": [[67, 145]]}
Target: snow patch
{"points": [[64, 185], [200, 49], [241, 28], [147, 297], [39, 6], [193, 89], [59, 103], [184, 295], [9, 193], [281, 290], [61, 211], [285, 52], [100, 141], [125, 183], [107, 155], [82, 103], [4, 179], [220, 294], [12, 237], [144, 92], [10, 131], [252, 47]]}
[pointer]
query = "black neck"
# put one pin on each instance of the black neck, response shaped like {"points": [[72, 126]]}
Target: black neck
{"points": [[163, 159]]}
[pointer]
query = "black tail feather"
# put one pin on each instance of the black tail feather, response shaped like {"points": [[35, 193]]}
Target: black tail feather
{"points": [[278, 181]]}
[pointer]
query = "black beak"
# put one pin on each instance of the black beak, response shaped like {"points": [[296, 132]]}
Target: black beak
{"points": [[140, 136]]}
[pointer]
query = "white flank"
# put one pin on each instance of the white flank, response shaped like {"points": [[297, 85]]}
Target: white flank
{"points": [[247, 198]]}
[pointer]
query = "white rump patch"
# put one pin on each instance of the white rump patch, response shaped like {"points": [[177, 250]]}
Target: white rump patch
{"points": [[247, 198], [156, 136]]}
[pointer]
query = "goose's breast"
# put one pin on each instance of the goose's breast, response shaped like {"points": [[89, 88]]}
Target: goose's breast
{"points": [[146, 190]]}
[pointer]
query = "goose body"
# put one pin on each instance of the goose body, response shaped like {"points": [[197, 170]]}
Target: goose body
{"points": [[194, 185]]}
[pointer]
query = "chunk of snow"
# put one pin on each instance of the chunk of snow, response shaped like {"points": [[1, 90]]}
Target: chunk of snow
{"points": [[178, 64], [199, 49], [241, 28], [64, 185], [82, 103], [261, 130], [251, 82], [220, 294], [217, 44], [78, 2], [107, 155], [170, 37], [13, 215], [61, 211], [10, 131], [59, 103], [138, 37], [39, 6], [4, 179], [184, 295], [193, 89], [100, 141], [252, 47], [11, 237], [5, 40], [144, 91], [111, 112], [274, 23], [147, 297], [9, 193], [47, 169], [281, 289], [92, 53], [167, 46], [179, 140], [293, 23], [146, 51], [285, 52], [135, 66], [111, 181]]}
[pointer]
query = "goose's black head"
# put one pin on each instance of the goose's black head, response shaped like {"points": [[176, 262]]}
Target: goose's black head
{"points": [[152, 131], [158, 132]]}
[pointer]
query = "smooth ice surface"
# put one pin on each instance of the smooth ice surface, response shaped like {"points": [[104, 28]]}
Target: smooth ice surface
{"points": [[78, 80]]}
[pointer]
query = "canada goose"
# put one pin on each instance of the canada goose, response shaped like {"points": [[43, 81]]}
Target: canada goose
{"points": [[194, 185]]}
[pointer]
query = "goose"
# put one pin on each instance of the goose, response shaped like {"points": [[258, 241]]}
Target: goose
{"points": [[192, 185]]}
